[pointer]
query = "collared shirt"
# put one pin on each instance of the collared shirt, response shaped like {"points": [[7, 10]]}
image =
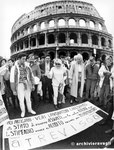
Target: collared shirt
{"points": [[23, 73], [79, 72], [47, 68]]}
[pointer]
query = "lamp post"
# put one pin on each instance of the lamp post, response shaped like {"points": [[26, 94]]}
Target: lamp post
{"points": [[56, 54], [94, 52]]}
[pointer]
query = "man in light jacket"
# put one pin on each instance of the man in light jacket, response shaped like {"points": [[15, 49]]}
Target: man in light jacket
{"points": [[23, 84]]}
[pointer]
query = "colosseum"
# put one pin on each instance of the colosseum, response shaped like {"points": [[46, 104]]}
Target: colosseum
{"points": [[63, 27]]}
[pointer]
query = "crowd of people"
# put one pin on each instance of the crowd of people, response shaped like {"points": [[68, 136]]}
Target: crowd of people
{"points": [[56, 81]]}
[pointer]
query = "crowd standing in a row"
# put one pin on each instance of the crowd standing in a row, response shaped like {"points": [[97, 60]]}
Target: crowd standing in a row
{"points": [[55, 81]]}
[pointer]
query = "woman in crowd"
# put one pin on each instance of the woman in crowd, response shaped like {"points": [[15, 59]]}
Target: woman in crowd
{"points": [[58, 76], [92, 78], [105, 81], [77, 78], [6, 91], [37, 76]]}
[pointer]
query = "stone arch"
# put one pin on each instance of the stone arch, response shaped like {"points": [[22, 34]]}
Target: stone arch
{"points": [[28, 30], [41, 54], [103, 41], [34, 28], [82, 22], [73, 36], [92, 24], [42, 25], [52, 55], [61, 22], [71, 22], [61, 38], [18, 34], [51, 39], [109, 43], [103, 57], [51, 23], [21, 45], [41, 39], [33, 42], [94, 40], [26, 43], [22, 32], [100, 26], [72, 54], [84, 38], [85, 56]]}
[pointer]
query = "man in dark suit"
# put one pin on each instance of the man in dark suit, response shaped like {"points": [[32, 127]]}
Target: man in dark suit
{"points": [[46, 82]]}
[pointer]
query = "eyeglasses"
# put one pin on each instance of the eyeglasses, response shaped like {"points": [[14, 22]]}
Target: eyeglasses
{"points": [[57, 64]]}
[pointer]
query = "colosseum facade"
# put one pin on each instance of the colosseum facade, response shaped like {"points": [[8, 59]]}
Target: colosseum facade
{"points": [[64, 27]]}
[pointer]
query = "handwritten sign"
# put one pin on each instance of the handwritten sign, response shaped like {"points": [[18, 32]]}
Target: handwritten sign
{"points": [[3, 112], [40, 130]]}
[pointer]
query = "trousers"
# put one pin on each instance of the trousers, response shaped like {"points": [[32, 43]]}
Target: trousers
{"points": [[24, 94]]}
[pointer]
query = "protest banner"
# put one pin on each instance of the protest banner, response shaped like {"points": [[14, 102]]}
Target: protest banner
{"points": [[40, 130], [3, 112]]}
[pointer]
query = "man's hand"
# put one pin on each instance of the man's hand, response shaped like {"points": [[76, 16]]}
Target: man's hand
{"points": [[33, 88], [70, 82], [14, 93]]}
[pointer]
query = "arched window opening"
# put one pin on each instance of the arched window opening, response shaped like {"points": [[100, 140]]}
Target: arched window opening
{"points": [[92, 24], [85, 56], [41, 55], [94, 40], [42, 39], [33, 42], [18, 34], [35, 28], [52, 55], [73, 37], [103, 41], [82, 23], [21, 45], [100, 26], [61, 22], [42, 25], [61, 38], [103, 57], [17, 47], [72, 54], [109, 43], [71, 22], [51, 23], [51, 39], [22, 33], [28, 30], [26, 44], [84, 39]]}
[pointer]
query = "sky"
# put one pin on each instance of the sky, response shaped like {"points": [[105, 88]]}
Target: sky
{"points": [[11, 10]]}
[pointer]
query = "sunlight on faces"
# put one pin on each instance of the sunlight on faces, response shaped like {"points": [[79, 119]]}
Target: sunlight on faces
{"points": [[47, 59], [23, 59], [58, 63]]}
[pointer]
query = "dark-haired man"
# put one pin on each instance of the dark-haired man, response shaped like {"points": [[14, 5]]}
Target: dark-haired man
{"points": [[46, 82], [23, 84], [92, 78]]}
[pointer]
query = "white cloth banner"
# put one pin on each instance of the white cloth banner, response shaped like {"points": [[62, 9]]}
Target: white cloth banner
{"points": [[3, 112], [40, 130]]}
